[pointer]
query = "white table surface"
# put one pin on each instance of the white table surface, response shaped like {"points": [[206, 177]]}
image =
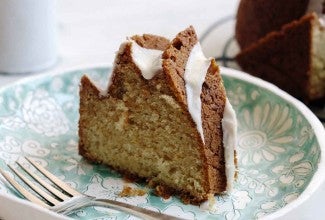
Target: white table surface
{"points": [[91, 31]]}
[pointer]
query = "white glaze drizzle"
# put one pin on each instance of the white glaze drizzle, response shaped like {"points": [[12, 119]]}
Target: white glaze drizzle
{"points": [[103, 91], [229, 128], [194, 76], [195, 72], [147, 60]]}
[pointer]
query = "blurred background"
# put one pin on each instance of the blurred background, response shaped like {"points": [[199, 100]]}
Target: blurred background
{"points": [[90, 32]]}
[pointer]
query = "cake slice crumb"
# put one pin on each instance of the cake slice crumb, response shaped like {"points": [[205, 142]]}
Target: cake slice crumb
{"points": [[128, 191], [212, 202]]}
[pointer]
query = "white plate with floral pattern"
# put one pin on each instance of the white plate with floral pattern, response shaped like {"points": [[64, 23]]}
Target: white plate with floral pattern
{"points": [[280, 147]]}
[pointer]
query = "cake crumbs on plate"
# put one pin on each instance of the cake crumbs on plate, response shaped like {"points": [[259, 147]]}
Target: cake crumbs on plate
{"points": [[212, 202], [128, 191]]}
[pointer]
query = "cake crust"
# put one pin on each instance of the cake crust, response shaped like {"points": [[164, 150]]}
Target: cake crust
{"points": [[150, 41]]}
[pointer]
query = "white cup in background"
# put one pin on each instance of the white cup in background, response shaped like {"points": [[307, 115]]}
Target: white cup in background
{"points": [[28, 40]]}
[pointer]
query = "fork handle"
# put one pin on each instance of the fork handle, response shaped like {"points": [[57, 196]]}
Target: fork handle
{"points": [[133, 210]]}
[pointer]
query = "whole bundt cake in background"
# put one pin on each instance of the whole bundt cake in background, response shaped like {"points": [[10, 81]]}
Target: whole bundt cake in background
{"points": [[284, 42], [292, 58], [164, 117], [256, 18]]}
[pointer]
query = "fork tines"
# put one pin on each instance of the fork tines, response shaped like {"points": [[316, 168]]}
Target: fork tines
{"points": [[67, 199], [54, 198]]}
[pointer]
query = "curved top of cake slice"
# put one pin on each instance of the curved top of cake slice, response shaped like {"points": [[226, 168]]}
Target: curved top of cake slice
{"points": [[163, 116]]}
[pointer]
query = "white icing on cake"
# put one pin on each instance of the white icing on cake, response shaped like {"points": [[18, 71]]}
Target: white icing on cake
{"points": [[229, 128], [322, 20], [195, 71], [147, 60], [103, 90]]}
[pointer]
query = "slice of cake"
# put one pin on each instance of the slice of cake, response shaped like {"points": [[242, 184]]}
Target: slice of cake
{"points": [[265, 31], [256, 18], [292, 58], [165, 117]]}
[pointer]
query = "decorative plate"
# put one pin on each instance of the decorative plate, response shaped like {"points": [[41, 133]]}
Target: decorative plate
{"points": [[280, 146]]}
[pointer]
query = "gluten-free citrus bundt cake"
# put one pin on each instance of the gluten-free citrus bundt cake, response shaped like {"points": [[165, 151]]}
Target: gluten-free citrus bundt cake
{"points": [[284, 43], [292, 58], [257, 18], [164, 117]]}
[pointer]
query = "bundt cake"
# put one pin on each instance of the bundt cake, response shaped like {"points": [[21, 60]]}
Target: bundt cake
{"points": [[256, 18], [284, 43], [164, 118]]}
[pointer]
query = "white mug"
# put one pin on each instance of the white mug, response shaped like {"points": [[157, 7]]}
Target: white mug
{"points": [[28, 40]]}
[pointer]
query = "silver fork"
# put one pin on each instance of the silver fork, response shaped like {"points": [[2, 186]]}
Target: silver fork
{"points": [[68, 199]]}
